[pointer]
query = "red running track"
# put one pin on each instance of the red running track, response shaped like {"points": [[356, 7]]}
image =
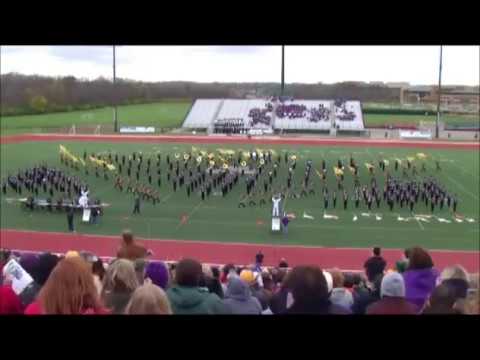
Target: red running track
{"points": [[222, 253], [263, 140]]}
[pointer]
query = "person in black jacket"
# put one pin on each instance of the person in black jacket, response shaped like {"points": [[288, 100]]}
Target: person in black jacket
{"points": [[375, 265], [310, 292], [70, 214]]}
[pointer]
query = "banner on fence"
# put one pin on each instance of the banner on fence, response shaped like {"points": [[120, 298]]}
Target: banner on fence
{"points": [[415, 134], [137, 129]]}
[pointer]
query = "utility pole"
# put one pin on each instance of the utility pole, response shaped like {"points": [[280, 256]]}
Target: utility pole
{"points": [[283, 70], [437, 130], [115, 121]]}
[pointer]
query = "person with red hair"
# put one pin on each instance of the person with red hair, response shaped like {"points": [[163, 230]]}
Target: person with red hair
{"points": [[69, 290]]}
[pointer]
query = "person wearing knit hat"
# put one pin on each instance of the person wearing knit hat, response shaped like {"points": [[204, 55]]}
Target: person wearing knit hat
{"points": [[247, 276], [393, 302], [157, 272]]}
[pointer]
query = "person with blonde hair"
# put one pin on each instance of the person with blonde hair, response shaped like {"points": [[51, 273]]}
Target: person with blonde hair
{"points": [[454, 272], [456, 277], [119, 283], [69, 290], [148, 299]]}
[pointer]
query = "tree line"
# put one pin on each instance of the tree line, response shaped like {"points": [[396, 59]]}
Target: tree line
{"points": [[32, 94]]}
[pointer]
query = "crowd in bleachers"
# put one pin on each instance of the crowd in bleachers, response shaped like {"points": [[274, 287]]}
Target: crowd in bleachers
{"points": [[342, 113], [82, 283], [291, 111], [260, 116], [229, 126], [320, 113]]}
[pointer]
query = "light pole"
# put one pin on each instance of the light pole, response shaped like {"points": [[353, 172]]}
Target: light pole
{"points": [[115, 121], [283, 70], [437, 131]]}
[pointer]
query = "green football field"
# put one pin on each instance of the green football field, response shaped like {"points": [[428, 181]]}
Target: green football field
{"points": [[160, 115], [220, 219]]}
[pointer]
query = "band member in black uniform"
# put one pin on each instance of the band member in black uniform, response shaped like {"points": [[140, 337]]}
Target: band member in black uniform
{"points": [[369, 202], [334, 199], [150, 179], [136, 208], [325, 198], [175, 184]]}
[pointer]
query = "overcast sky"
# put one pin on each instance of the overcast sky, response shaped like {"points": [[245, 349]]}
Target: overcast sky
{"points": [[306, 64]]}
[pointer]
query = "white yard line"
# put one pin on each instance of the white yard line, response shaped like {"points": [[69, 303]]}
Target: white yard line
{"points": [[419, 223], [461, 187], [463, 170]]}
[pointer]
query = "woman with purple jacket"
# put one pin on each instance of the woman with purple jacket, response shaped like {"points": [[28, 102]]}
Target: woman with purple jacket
{"points": [[420, 277]]}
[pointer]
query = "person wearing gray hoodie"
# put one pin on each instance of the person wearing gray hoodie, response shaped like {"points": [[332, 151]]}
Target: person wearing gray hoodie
{"points": [[239, 300]]}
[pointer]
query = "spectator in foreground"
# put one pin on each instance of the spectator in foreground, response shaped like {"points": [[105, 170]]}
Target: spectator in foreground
{"points": [[10, 303], [340, 295], [187, 297], [366, 294], [157, 273], [283, 263], [212, 282], [119, 283], [139, 265], [39, 269], [69, 290], [375, 265], [420, 277], [239, 300], [98, 272], [130, 249], [402, 265], [472, 303], [252, 279], [310, 292], [441, 302], [279, 301], [456, 277], [228, 270], [392, 291], [148, 299]]}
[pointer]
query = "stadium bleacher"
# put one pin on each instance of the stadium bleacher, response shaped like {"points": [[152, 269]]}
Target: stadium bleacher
{"points": [[287, 114]]}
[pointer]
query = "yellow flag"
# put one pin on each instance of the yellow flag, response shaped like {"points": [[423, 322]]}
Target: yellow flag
{"points": [[409, 158], [386, 162], [421, 156], [337, 171], [369, 166]]}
